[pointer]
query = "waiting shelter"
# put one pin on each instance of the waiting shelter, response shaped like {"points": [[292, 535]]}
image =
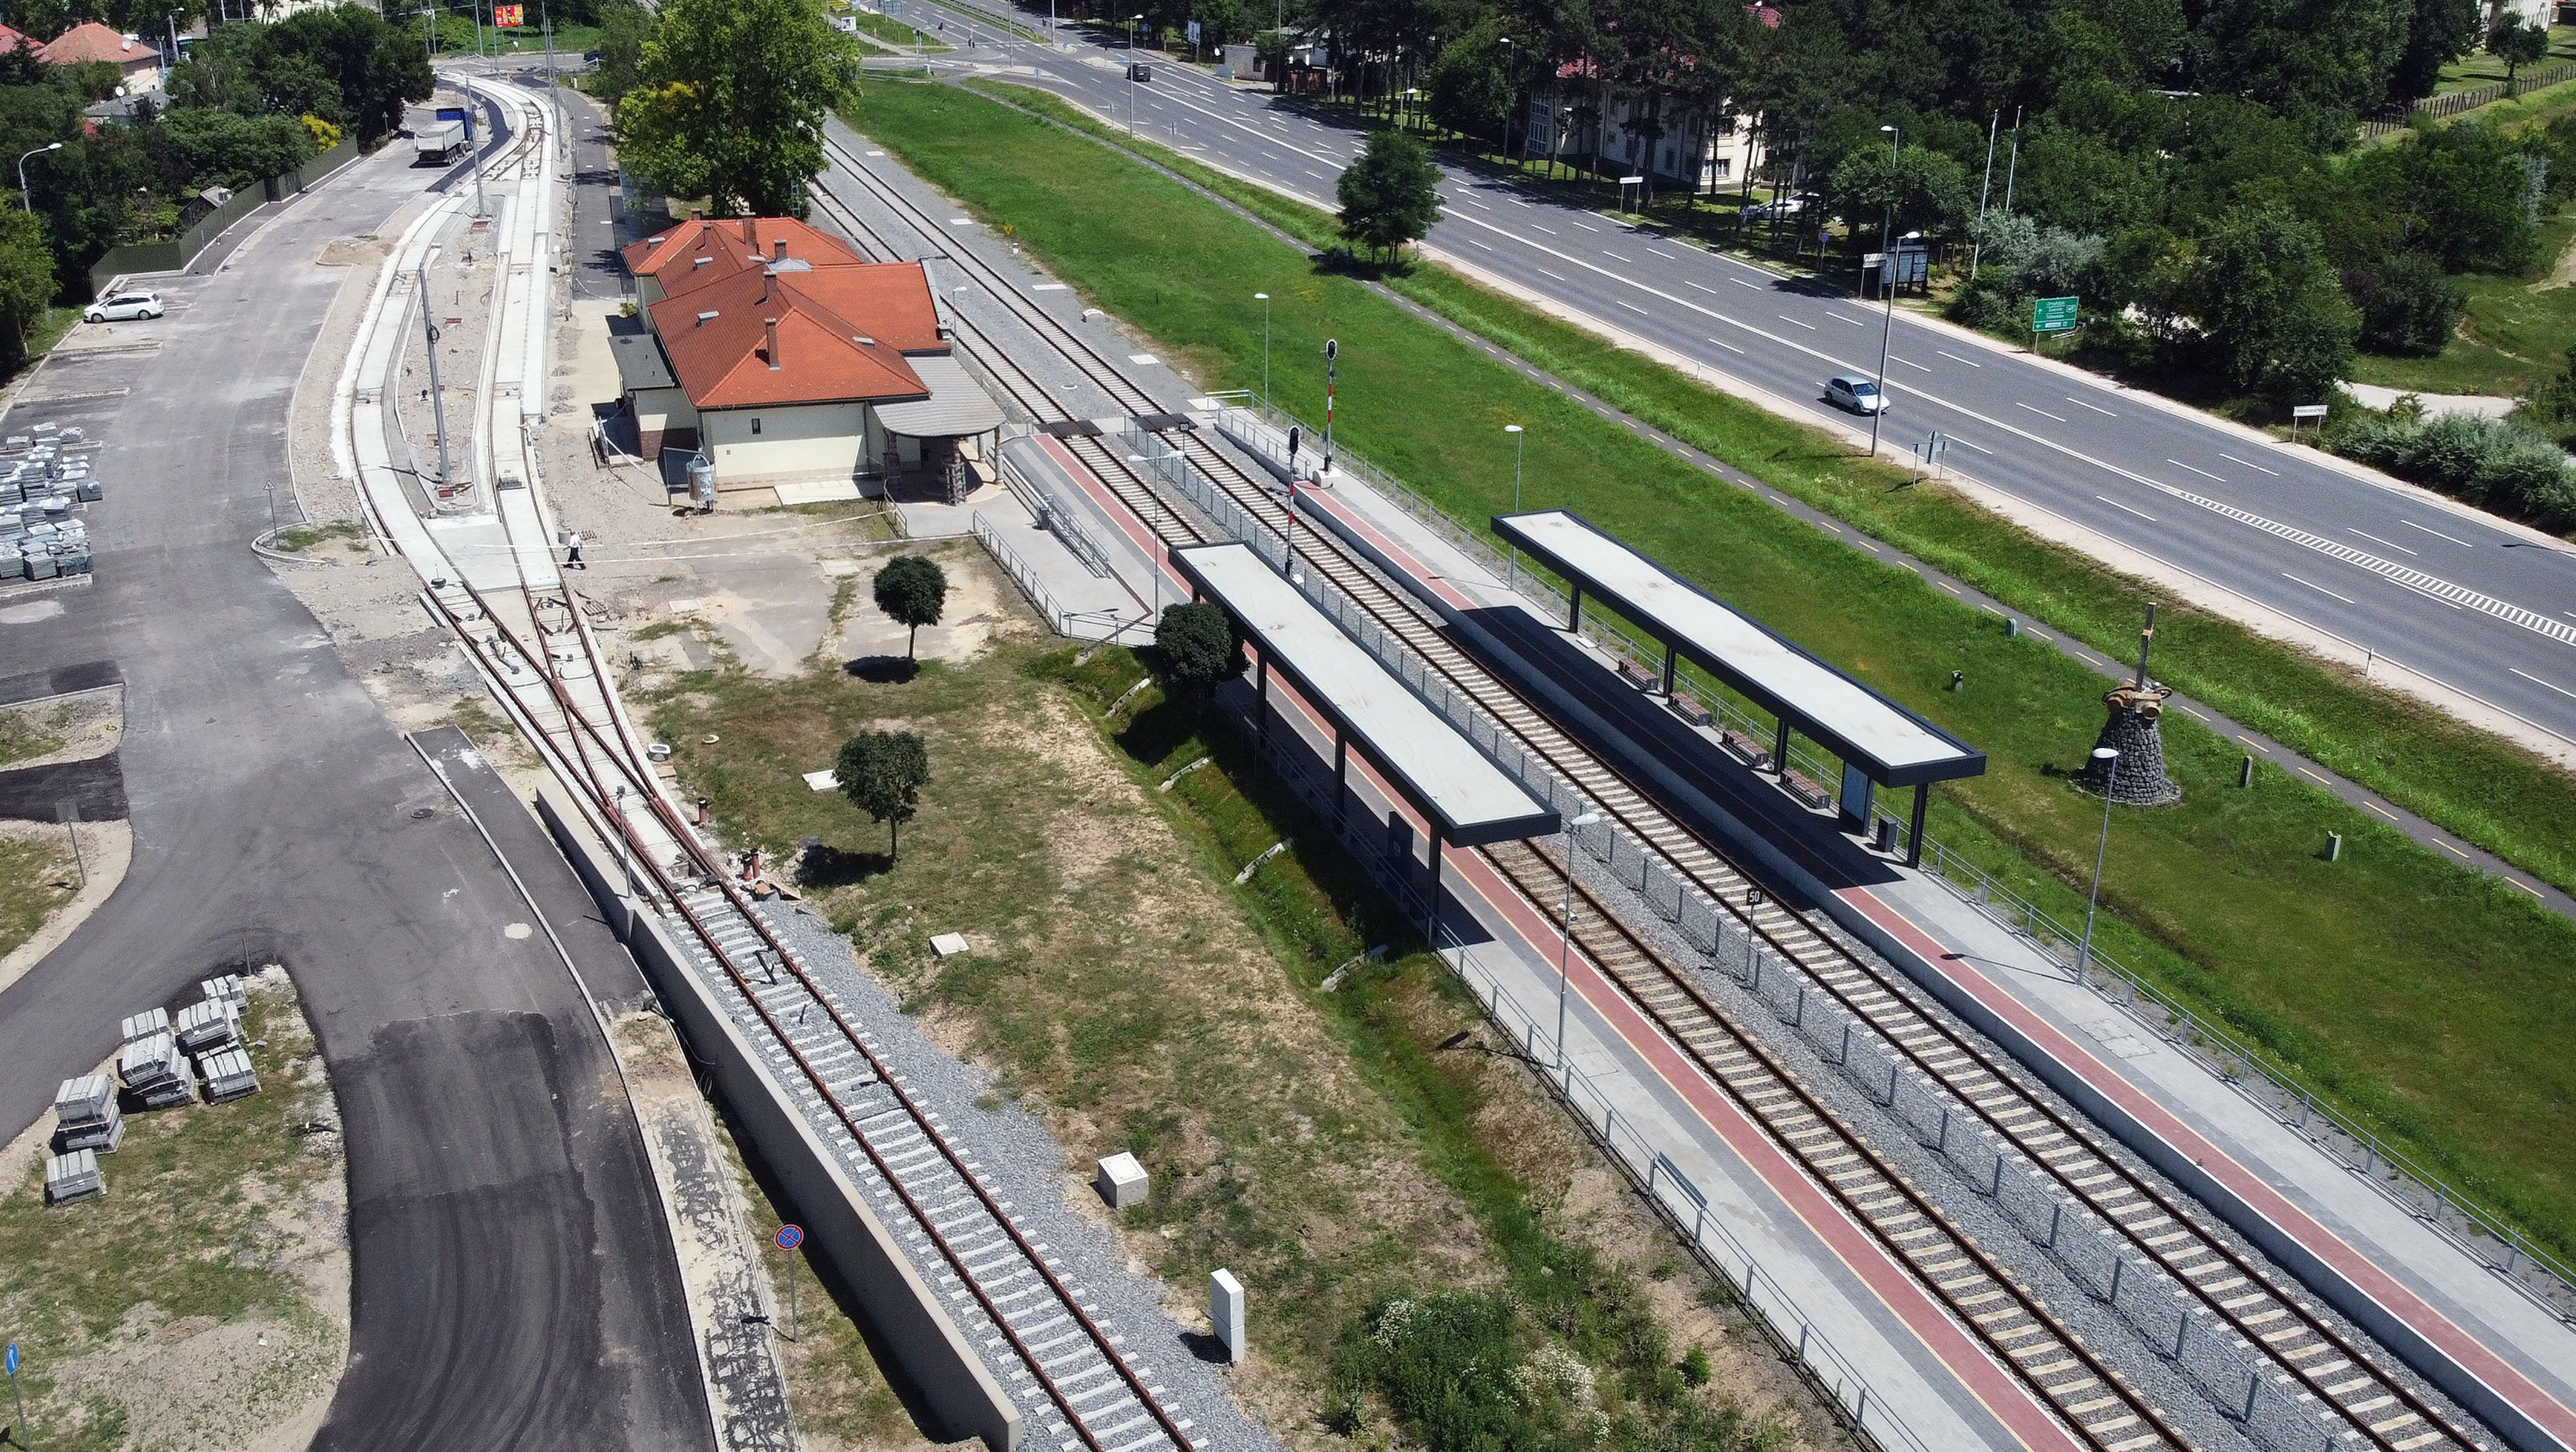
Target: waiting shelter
{"points": [[1467, 799], [1879, 742]]}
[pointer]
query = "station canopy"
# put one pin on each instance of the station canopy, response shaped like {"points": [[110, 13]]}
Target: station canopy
{"points": [[1891, 744], [1435, 764]]}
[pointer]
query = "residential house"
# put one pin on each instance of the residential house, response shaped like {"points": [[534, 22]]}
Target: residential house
{"points": [[137, 61]]}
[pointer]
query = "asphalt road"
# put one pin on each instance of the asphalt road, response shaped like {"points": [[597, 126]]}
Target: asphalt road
{"points": [[514, 1281], [2446, 593]]}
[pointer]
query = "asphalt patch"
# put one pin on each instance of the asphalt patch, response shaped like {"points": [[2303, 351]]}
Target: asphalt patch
{"points": [[96, 787]]}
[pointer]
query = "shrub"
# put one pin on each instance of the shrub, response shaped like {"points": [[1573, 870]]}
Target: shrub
{"points": [[2498, 465], [2409, 306]]}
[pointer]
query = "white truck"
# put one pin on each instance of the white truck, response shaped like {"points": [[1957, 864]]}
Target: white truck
{"points": [[441, 142]]}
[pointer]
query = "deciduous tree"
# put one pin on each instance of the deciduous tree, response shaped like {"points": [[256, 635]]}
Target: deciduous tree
{"points": [[1390, 196], [731, 100], [913, 590], [882, 773], [1197, 647]]}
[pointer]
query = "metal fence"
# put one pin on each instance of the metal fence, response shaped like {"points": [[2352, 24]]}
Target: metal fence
{"points": [[1078, 624], [2538, 1273], [2452, 103]]}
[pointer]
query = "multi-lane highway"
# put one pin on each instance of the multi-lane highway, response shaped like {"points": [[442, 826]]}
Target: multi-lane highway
{"points": [[2473, 606]]}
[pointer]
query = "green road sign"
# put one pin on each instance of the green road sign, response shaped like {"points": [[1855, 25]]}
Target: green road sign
{"points": [[2052, 315]]}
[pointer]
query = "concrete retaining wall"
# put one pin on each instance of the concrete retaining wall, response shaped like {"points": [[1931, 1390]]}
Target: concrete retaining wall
{"points": [[960, 1394]]}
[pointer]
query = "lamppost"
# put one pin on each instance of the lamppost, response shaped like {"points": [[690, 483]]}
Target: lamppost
{"points": [[1264, 299], [1511, 73], [2110, 759], [1886, 289], [25, 202], [1153, 560], [1131, 74], [1565, 939], [1518, 440]]}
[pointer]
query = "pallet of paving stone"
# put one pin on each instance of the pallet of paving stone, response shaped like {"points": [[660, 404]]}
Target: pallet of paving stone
{"points": [[87, 1116], [228, 987], [157, 1072], [73, 1176], [207, 1025], [104, 1139], [144, 1025], [228, 1075]]}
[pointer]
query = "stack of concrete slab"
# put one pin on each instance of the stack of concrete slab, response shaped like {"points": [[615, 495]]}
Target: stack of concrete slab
{"points": [[155, 1069], [86, 1115], [207, 1026], [228, 1075], [73, 1176], [140, 1026], [230, 989]]}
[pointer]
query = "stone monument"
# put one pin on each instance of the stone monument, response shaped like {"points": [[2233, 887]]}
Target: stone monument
{"points": [[2136, 777]]}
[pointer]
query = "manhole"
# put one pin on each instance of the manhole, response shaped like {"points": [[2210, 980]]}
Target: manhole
{"points": [[421, 814]]}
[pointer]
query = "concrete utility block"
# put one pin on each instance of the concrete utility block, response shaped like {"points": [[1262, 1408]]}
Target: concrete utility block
{"points": [[227, 987], [206, 1026], [145, 1025], [89, 1099], [228, 1075], [1225, 1312], [948, 945], [102, 1138], [1122, 1182], [151, 1061]]}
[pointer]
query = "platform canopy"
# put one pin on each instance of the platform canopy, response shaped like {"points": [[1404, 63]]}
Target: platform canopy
{"points": [[956, 407], [1891, 744], [1431, 761]]}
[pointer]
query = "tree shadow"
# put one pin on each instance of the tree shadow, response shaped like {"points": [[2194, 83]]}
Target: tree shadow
{"points": [[1159, 730], [884, 670], [1344, 262], [822, 866]]}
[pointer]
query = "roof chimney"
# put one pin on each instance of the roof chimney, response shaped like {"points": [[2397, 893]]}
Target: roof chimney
{"points": [[773, 341], [768, 285], [748, 234], [706, 318], [778, 249], [698, 262]]}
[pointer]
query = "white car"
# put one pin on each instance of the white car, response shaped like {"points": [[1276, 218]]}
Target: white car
{"points": [[1784, 207], [1856, 393], [122, 306]]}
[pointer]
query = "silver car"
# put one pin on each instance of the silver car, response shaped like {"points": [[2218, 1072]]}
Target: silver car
{"points": [[121, 306], [1860, 395]]}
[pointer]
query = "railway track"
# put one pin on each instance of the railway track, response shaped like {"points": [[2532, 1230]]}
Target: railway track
{"points": [[2377, 1406], [1081, 1389]]}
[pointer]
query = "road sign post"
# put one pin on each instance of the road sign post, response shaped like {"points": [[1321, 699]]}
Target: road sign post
{"points": [[2051, 315], [1626, 182], [18, 1433], [2306, 413], [1332, 351], [789, 1237]]}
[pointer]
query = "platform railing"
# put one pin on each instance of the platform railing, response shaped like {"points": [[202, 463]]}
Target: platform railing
{"points": [[2539, 1274]]}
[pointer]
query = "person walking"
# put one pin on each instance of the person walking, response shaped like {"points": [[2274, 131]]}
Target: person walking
{"points": [[572, 550]]}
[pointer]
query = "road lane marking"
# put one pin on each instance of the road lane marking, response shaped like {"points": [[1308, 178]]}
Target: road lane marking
{"points": [[1317, 175], [2248, 463], [1535, 227], [2514, 882], [1632, 307], [1793, 322], [1946, 585], [2454, 851], [2116, 504], [2179, 706], [2537, 681], [1908, 362], [2383, 811], [2317, 774], [2097, 408], [1543, 272], [1980, 448], [2374, 539], [2428, 529], [1955, 358], [1586, 226], [1837, 317], [2427, 594], [1615, 257], [1730, 347], [1740, 282], [1478, 243], [1712, 292], [2320, 589], [2043, 413], [2204, 473], [2250, 741]]}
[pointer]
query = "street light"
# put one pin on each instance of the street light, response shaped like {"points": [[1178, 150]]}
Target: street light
{"points": [[1565, 939], [1887, 292], [1511, 74], [1264, 299], [1518, 440], [1132, 22], [25, 204], [2109, 757]]}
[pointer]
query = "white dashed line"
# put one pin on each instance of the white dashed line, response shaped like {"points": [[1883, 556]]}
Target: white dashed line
{"points": [[1586, 226], [1740, 282], [1632, 307], [2537, 681], [2204, 473], [1793, 322], [1472, 242], [2392, 544], [1543, 272], [1730, 347], [1615, 257], [2043, 413], [1712, 292], [1980, 448], [1535, 227], [2320, 589], [1837, 317], [2428, 529], [1908, 362], [1955, 358], [2097, 408], [2250, 464], [2116, 504]]}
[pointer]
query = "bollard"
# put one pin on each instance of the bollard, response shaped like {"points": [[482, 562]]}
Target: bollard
{"points": [[2012, 628], [2334, 846], [1225, 1313], [2245, 771]]}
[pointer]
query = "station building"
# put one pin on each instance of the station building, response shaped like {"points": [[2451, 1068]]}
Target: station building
{"points": [[784, 356]]}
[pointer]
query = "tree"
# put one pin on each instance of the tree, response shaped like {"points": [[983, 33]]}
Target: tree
{"points": [[913, 590], [731, 99], [882, 773], [1929, 190], [2442, 32], [1390, 196], [26, 275], [376, 68], [2267, 306], [2517, 45], [1470, 92], [2408, 306], [1198, 648], [624, 27]]}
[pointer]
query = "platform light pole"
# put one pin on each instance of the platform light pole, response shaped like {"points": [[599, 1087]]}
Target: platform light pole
{"points": [[1518, 439], [1565, 939], [437, 394], [2110, 759], [1264, 299], [26, 202]]}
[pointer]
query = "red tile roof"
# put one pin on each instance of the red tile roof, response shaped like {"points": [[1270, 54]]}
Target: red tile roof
{"points": [[12, 40], [670, 257], [842, 333], [91, 41]]}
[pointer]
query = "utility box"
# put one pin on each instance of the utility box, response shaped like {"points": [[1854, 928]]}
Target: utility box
{"points": [[1122, 1182], [1225, 1313]]}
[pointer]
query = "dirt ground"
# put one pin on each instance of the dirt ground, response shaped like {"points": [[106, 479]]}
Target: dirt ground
{"points": [[201, 1304], [56, 875]]}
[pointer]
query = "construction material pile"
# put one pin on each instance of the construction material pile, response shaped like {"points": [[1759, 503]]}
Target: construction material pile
{"points": [[87, 1116], [42, 480]]}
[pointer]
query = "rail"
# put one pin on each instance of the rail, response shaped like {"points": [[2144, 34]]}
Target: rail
{"points": [[2541, 1275]]}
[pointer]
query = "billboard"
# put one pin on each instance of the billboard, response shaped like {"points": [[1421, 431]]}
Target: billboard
{"points": [[510, 17]]}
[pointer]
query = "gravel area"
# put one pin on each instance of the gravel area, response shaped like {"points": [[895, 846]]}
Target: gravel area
{"points": [[1019, 1162]]}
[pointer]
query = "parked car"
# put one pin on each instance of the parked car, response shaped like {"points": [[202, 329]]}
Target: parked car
{"points": [[123, 305], [1856, 393], [1784, 207]]}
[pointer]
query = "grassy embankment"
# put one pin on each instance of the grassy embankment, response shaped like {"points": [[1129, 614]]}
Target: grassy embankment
{"points": [[1334, 1149], [2417, 994]]}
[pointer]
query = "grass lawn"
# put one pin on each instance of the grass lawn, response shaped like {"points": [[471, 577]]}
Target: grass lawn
{"points": [[2417, 994], [1133, 996], [2516, 332], [2480, 67], [895, 32], [203, 1268], [31, 866]]}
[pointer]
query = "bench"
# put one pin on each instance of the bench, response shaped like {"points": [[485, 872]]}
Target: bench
{"points": [[1639, 676], [1806, 791], [1688, 709], [1744, 749]]}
